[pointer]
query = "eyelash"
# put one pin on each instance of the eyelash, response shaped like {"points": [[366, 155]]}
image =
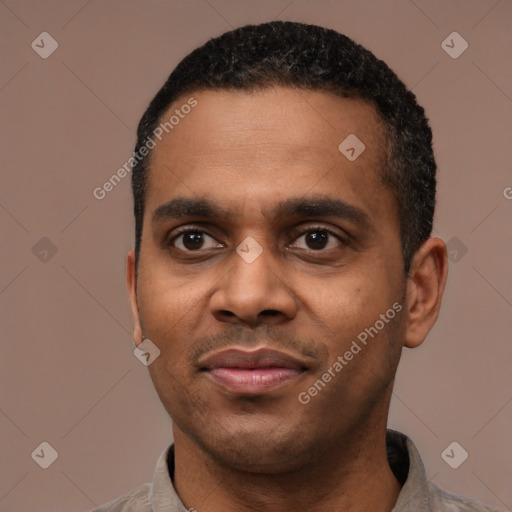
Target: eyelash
{"points": [[183, 231]]}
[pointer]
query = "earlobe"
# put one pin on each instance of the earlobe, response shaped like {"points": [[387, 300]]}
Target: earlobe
{"points": [[425, 287], [137, 334], [131, 285]]}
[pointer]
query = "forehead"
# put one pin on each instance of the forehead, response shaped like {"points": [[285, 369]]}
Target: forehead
{"points": [[306, 120], [263, 145]]}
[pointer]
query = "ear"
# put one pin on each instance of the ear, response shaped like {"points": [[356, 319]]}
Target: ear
{"points": [[425, 287], [131, 285]]}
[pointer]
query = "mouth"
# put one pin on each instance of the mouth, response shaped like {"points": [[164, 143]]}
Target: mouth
{"points": [[252, 372]]}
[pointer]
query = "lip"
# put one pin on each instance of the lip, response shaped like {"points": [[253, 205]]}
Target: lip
{"points": [[252, 372]]}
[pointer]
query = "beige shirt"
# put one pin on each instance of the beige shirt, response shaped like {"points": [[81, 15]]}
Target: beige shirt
{"points": [[418, 494]]}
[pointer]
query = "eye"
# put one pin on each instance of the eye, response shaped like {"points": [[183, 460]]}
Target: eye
{"points": [[314, 239], [320, 238], [193, 240]]}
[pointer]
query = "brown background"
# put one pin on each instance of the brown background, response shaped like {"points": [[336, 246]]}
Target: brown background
{"points": [[68, 374]]}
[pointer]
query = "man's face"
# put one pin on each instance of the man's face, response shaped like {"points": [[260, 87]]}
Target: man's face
{"points": [[330, 265]]}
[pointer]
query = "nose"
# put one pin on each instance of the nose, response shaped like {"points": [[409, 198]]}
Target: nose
{"points": [[253, 293]]}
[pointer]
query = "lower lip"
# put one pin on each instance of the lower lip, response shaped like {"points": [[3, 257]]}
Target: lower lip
{"points": [[253, 381]]}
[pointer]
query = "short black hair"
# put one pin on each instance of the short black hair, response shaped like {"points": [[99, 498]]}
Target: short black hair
{"points": [[309, 57]]}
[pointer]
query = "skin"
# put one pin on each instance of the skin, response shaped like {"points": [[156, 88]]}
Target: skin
{"points": [[247, 152]]}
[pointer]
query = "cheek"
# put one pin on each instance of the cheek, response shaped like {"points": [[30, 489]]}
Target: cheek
{"points": [[350, 309], [165, 293], [349, 302]]}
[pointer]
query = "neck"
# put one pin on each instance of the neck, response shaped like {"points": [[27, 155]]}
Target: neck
{"points": [[353, 475]]}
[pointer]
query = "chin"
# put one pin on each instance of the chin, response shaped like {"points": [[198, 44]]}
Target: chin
{"points": [[250, 449], [250, 458]]}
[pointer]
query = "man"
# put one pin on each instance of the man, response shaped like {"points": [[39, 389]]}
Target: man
{"points": [[284, 187]]}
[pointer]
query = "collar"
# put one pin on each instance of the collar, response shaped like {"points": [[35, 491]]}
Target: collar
{"points": [[403, 456]]}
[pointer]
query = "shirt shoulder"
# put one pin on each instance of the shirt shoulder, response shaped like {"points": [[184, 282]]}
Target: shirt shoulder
{"points": [[419, 494], [136, 500], [443, 501]]}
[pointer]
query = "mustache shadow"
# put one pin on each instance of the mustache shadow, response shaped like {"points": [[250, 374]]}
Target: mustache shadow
{"points": [[240, 335]]}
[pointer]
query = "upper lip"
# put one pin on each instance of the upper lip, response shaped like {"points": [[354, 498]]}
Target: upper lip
{"points": [[244, 359]]}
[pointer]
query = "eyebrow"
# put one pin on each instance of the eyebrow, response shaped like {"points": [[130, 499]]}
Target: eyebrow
{"points": [[320, 206]]}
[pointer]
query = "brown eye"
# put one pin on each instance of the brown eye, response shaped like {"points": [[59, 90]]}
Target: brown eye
{"points": [[319, 238], [193, 240]]}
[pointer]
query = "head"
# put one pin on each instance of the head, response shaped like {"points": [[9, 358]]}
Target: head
{"points": [[291, 245], [309, 57]]}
